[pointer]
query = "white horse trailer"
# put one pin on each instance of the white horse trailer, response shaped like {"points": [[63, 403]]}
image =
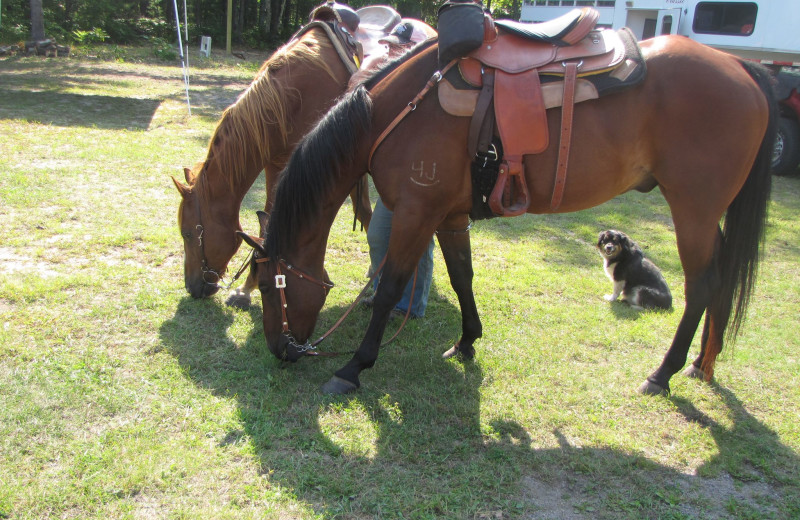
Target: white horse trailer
{"points": [[767, 31]]}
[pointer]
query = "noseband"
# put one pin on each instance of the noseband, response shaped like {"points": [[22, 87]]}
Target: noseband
{"points": [[280, 284]]}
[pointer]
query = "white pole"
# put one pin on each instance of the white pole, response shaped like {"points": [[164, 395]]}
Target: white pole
{"points": [[183, 60], [186, 33]]}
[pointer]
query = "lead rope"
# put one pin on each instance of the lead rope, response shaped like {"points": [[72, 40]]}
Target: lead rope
{"points": [[353, 306]]}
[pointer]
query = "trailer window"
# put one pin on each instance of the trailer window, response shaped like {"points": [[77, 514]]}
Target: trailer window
{"points": [[731, 18]]}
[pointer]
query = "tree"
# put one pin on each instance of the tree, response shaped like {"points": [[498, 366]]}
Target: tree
{"points": [[37, 21]]}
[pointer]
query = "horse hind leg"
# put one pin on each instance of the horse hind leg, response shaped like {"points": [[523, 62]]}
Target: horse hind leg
{"points": [[457, 253], [698, 298], [699, 258], [717, 317]]}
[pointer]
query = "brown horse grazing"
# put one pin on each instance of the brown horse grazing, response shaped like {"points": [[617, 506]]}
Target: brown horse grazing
{"points": [[700, 127], [294, 87]]}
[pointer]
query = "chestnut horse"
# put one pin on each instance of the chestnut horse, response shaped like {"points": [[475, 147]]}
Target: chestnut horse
{"points": [[293, 89], [700, 128]]}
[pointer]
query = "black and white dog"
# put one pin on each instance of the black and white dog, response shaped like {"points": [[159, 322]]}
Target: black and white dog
{"points": [[635, 277]]}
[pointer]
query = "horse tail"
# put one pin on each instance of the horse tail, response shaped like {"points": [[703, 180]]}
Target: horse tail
{"points": [[326, 153], [744, 226]]}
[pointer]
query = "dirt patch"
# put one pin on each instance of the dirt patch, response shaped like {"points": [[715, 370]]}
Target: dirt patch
{"points": [[577, 497]]}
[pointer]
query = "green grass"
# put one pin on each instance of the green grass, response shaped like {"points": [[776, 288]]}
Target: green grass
{"points": [[121, 397]]}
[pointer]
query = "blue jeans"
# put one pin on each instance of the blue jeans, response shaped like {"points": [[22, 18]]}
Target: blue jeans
{"points": [[378, 239]]}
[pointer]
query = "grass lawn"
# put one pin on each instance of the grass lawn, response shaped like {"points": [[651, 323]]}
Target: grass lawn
{"points": [[121, 397]]}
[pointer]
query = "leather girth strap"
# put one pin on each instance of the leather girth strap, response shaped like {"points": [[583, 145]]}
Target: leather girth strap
{"points": [[567, 108], [481, 127]]}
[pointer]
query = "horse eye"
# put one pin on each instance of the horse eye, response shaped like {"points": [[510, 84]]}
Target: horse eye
{"points": [[187, 235]]}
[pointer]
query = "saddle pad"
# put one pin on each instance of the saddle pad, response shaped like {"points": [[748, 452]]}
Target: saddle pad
{"points": [[461, 102]]}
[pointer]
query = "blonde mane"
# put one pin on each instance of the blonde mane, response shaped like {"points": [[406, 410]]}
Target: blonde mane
{"points": [[260, 110]]}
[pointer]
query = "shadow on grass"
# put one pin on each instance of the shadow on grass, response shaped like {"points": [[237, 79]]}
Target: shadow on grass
{"points": [[93, 111], [409, 443]]}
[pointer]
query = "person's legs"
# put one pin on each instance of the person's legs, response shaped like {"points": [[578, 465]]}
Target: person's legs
{"points": [[378, 239]]}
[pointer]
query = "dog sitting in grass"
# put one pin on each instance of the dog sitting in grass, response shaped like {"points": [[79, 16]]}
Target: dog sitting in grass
{"points": [[635, 277]]}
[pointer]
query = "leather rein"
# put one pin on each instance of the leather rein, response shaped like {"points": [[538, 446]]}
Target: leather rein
{"points": [[310, 348]]}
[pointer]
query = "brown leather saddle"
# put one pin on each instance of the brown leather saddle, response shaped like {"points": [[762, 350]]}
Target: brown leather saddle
{"points": [[352, 33], [509, 68]]}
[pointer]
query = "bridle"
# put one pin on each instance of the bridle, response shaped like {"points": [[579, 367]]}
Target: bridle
{"points": [[212, 276], [310, 348], [305, 349]]}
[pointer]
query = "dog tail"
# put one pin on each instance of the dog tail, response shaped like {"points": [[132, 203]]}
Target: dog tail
{"points": [[743, 230], [651, 298]]}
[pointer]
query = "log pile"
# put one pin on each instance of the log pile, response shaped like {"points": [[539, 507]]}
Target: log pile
{"points": [[47, 47]]}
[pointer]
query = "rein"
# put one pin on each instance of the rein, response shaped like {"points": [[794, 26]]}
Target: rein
{"points": [[410, 107], [310, 349]]}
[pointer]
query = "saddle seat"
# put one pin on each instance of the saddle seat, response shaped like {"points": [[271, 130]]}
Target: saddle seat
{"points": [[563, 31], [507, 67]]}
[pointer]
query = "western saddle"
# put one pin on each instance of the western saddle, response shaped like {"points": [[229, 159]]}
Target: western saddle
{"points": [[507, 69]]}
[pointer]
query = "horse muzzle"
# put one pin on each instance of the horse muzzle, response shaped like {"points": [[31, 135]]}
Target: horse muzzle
{"points": [[201, 289], [286, 348]]}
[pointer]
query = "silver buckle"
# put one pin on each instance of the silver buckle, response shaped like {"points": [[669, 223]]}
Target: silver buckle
{"points": [[280, 281]]}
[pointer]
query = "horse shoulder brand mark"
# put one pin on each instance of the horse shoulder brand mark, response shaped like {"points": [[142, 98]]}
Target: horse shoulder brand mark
{"points": [[421, 177]]}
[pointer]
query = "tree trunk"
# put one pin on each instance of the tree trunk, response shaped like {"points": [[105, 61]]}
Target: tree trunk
{"points": [[277, 15], [37, 21]]}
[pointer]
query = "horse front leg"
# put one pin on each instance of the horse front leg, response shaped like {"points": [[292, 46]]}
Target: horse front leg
{"points": [[406, 246], [453, 236], [240, 297], [362, 208]]}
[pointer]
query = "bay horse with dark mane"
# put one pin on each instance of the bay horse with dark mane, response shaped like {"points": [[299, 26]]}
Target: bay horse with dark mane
{"points": [[293, 89], [700, 127]]}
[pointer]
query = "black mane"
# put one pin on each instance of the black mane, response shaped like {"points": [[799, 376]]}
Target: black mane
{"points": [[315, 166]]}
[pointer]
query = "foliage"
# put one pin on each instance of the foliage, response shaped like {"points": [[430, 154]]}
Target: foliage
{"points": [[96, 35], [257, 23]]}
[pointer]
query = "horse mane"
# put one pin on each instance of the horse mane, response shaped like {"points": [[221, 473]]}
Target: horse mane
{"points": [[317, 163], [261, 109]]}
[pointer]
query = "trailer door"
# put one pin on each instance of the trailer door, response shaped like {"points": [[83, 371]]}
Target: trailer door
{"points": [[668, 21]]}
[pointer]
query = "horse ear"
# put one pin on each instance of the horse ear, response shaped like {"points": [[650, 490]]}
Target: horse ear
{"points": [[182, 188], [187, 173], [255, 243]]}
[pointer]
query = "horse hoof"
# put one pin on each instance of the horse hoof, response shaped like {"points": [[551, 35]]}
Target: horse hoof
{"points": [[650, 388], [338, 386], [451, 352], [462, 352], [239, 301], [695, 373]]}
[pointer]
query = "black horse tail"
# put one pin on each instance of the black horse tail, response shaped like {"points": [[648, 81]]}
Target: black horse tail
{"points": [[316, 166], [745, 223]]}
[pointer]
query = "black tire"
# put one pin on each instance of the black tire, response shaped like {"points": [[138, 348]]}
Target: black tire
{"points": [[786, 156]]}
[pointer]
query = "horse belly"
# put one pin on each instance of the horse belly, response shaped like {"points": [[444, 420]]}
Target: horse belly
{"points": [[610, 153]]}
